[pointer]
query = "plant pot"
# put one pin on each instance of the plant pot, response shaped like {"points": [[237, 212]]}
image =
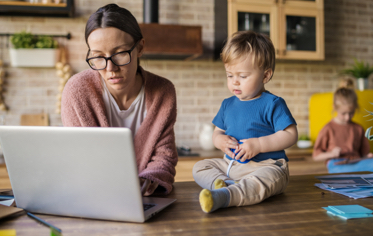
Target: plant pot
{"points": [[34, 57], [304, 144], [362, 83]]}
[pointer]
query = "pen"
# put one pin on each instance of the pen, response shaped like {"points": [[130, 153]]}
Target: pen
{"points": [[44, 222], [6, 197]]}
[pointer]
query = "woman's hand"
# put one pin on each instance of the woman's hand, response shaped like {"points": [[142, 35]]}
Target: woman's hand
{"points": [[248, 149], [147, 186]]}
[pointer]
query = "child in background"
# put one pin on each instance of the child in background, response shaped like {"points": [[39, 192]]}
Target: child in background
{"points": [[342, 143], [259, 120]]}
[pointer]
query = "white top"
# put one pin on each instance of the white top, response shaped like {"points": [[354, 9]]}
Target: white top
{"points": [[130, 118]]}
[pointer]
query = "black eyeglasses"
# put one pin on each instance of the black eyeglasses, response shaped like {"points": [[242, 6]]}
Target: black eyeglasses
{"points": [[119, 59]]}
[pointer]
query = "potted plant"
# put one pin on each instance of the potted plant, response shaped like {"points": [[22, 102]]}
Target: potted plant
{"points": [[304, 141], [33, 51], [361, 71]]}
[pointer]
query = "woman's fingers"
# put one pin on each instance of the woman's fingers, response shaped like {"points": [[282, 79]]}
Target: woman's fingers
{"points": [[145, 186], [153, 186], [148, 187]]}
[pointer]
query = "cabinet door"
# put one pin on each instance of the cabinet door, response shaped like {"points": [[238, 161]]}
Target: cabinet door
{"points": [[248, 16], [317, 4], [301, 34]]}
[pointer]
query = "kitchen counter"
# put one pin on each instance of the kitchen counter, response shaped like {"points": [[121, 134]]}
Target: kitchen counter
{"points": [[300, 162], [292, 153]]}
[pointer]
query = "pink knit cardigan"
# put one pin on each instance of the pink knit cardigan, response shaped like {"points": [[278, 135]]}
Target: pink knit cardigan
{"points": [[82, 105]]}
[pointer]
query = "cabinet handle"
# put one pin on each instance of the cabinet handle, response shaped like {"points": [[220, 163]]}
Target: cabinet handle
{"points": [[277, 52]]}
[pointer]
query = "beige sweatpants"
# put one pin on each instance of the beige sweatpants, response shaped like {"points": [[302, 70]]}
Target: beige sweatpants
{"points": [[256, 180]]}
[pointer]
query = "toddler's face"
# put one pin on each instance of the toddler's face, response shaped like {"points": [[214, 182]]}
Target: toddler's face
{"points": [[245, 80], [345, 112]]}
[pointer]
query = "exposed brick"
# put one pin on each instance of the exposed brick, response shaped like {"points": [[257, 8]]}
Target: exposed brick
{"points": [[208, 84], [185, 102], [186, 16]]}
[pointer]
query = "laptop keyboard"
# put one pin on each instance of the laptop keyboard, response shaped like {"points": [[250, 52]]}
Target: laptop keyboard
{"points": [[148, 206]]}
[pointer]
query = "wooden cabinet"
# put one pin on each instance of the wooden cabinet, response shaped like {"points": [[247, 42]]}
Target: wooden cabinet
{"points": [[64, 8], [296, 27]]}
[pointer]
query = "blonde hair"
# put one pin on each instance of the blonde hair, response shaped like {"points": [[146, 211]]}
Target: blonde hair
{"points": [[345, 94], [243, 43]]}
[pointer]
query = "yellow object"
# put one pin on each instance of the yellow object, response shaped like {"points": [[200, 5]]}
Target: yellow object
{"points": [[205, 200], [8, 232], [321, 112], [219, 183]]}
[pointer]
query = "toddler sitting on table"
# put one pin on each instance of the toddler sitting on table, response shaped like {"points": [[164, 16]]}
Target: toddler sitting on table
{"points": [[258, 119]]}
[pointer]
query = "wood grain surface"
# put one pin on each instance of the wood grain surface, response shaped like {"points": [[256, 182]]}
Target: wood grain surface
{"points": [[296, 212]]}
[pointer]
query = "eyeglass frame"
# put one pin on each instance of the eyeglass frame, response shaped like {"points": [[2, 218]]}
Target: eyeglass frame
{"points": [[109, 58]]}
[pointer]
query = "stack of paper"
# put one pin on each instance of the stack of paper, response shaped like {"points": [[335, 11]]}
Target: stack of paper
{"points": [[351, 185], [349, 211]]}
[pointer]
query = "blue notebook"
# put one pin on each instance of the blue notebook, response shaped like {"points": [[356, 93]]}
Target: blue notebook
{"points": [[349, 211]]}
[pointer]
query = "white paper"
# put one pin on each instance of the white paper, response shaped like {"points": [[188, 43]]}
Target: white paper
{"points": [[7, 202], [353, 186]]}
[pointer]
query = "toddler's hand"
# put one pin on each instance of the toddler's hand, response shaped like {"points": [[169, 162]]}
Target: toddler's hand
{"points": [[226, 143], [249, 149], [336, 152]]}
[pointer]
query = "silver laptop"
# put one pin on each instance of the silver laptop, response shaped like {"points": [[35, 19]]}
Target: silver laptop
{"points": [[78, 172]]}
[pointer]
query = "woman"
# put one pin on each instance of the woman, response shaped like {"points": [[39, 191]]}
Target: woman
{"points": [[117, 92]]}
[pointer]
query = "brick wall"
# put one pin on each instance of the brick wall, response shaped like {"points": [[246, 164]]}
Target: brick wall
{"points": [[200, 84]]}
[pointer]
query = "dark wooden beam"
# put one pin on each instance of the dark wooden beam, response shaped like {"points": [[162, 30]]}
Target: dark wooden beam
{"points": [[172, 41]]}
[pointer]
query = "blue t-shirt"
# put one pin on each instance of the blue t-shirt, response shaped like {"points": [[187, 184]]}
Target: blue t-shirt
{"points": [[255, 118]]}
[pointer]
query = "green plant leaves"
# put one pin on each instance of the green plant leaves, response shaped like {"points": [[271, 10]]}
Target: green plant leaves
{"points": [[23, 40], [367, 134], [303, 137], [359, 69], [46, 42], [27, 40]]}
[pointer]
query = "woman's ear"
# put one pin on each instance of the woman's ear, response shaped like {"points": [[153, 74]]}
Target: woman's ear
{"points": [[267, 76], [140, 47]]}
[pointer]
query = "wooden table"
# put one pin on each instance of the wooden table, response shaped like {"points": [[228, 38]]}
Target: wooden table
{"points": [[296, 212], [300, 162]]}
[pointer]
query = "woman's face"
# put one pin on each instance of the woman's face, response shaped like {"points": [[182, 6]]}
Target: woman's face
{"points": [[107, 41]]}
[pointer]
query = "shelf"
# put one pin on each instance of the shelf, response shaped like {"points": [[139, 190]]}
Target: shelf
{"points": [[15, 3], [21, 8]]}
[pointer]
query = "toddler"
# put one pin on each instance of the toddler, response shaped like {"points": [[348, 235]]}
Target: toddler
{"points": [[253, 128], [341, 142]]}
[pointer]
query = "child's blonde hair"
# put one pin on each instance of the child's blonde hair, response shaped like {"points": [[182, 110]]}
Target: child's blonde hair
{"points": [[345, 94], [243, 43]]}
